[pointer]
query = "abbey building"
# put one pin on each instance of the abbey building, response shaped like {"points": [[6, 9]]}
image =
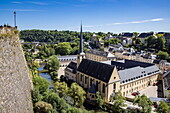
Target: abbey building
{"points": [[108, 77]]}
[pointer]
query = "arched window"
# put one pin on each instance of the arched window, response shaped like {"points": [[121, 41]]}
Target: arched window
{"points": [[114, 86], [103, 88]]}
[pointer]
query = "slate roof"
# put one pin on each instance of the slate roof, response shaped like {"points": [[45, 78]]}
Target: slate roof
{"points": [[144, 35], [116, 45], [127, 34], [156, 61], [100, 53], [73, 66], [167, 35], [134, 73], [97, 70], [129, 64], [67, 57]]}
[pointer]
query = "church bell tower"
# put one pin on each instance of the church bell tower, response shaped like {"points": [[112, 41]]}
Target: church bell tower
{"points": [[81, 54]]}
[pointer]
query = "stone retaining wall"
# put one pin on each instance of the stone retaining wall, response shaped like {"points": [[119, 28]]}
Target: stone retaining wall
{"points": [[15, 82]]}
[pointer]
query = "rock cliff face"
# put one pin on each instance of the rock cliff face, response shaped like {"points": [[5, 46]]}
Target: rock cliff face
{"points": [[15, 82]]}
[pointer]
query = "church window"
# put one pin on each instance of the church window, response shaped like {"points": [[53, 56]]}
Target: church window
{"points": [[97, 85], [91, 82], [81, 77], [114, 86], [103, 90], [85, 80]]}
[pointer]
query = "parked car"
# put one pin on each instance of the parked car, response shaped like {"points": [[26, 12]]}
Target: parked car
{"points": [[135, 93], [155, 104], [154, 84]]}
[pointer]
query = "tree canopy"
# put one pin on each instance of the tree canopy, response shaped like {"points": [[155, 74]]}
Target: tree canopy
{"points": [[51, 35], [163, 107], [163, 55], [78, 94], [52, 65], [143, 102], [43, 107], [41, 84], [63, 48], [118, 102], [61, 88]]}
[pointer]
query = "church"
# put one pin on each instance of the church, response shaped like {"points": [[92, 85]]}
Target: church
{"points": [[109, 77]]}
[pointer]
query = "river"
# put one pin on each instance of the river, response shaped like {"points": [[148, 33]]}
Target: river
{"points": [[46, 76]]}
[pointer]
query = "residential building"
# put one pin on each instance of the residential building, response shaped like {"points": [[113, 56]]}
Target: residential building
{"points": [[65, 60], [115, 47], [99, 55], [126, 38], [70, 71], [167, 38], [166, 84], [143, 36], [95, 41], [108, 36], [164, 65]]}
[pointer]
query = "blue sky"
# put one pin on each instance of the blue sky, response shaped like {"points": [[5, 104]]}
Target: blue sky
{"points": [[97, 15]]}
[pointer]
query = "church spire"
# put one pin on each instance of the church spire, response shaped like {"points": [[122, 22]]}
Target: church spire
{"points": [[81, 54], [81, 41]]}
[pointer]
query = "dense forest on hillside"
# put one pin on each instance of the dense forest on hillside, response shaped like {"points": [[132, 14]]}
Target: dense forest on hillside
{"points": [[52, 35]]}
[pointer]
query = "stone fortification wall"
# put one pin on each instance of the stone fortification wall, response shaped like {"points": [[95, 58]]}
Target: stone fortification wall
{"points": [[15, 82]]}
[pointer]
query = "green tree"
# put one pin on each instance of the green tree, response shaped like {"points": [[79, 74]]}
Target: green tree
{"points": [[151, 41], [135, 34], [41, 84], [143, 102], [78, 94], [43, 107], [99, 100], [61, 88], [163, 107], [118, 102], [138, 41], [112, 41], [163, 55], [115, 41], [59, 104], [63, 48], [34, 68], [53, 65], [160, 43], [36, 96]]}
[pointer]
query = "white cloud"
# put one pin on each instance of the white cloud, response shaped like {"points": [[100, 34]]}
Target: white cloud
{"points": [[138, 22], [120, 23], [39, 3]]}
